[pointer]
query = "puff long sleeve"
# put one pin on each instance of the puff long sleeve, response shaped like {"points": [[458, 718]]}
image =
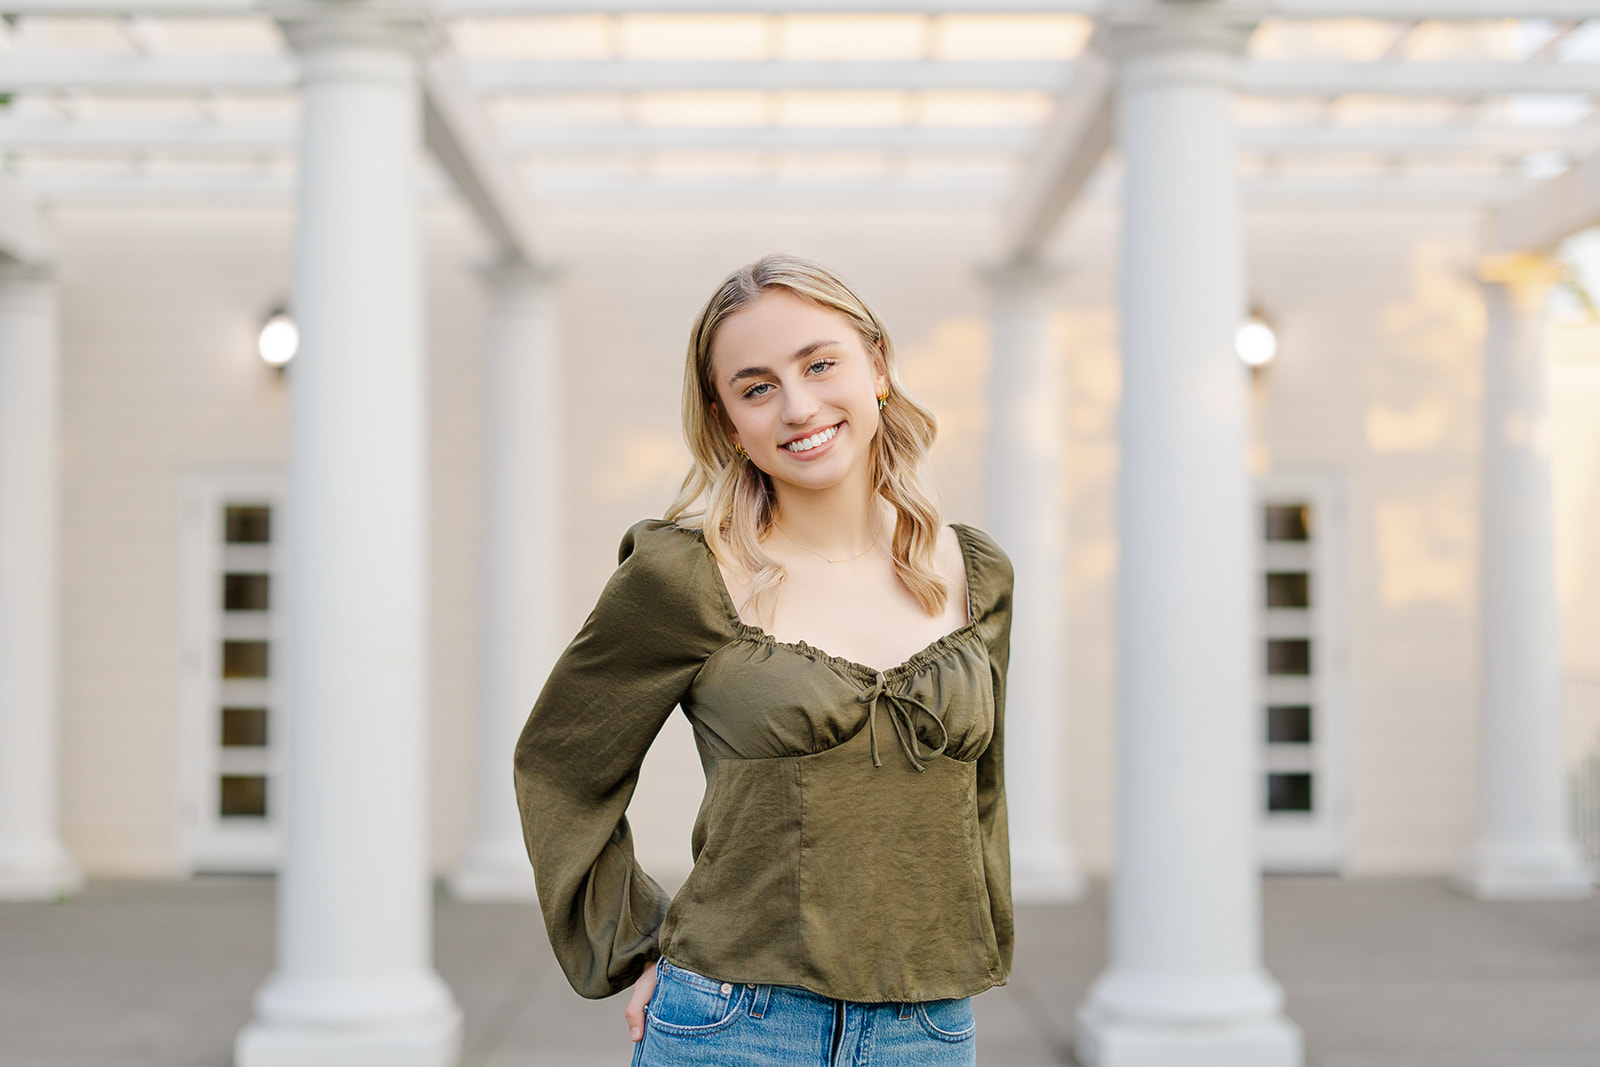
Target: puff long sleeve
{"points": [[993, 602], [578, 757]]}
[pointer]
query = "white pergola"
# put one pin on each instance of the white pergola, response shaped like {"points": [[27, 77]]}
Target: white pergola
{"points": [[1181, 114], [1001, 106]]}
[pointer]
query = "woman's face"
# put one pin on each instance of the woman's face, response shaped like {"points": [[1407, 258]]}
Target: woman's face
{"points": [[799, 389]]}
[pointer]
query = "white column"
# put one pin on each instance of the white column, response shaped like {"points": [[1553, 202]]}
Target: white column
{"points": [[519, 563], [1184, 986], [355, 983], [1027, 516], [34, 864], [1523, 848]]}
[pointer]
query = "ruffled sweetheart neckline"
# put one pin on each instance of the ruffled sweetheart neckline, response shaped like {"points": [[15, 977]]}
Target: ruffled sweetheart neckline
{"points": [[911, 665]]}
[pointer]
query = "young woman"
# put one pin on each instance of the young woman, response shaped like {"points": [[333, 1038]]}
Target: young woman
{"points": [[851, 882]]}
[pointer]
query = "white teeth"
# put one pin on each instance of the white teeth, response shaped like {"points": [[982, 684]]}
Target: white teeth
{"points": [[806, 444]]}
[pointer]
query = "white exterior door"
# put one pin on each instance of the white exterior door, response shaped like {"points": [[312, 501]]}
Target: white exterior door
{"points": [[1304, 668], [232, 793]]}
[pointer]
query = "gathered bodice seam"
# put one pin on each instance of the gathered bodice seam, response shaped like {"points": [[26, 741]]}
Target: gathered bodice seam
{"points": [[859, 672]]}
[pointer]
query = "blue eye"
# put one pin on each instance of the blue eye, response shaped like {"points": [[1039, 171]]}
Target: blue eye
{"points": [[752, 391], [823, 363]]}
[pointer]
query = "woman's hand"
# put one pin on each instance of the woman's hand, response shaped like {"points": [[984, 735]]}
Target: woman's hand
{"points": [[642, 990]]}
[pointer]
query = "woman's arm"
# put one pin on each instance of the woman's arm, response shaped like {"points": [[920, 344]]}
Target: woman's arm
{"points": [[578, 758], [994, 602]]}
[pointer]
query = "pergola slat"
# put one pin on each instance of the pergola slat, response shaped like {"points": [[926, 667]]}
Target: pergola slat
{"points": [[109, 72], [249, 137], [946, 192], [1394, 10], [1416, 78], [64, 70], [487, 75]]}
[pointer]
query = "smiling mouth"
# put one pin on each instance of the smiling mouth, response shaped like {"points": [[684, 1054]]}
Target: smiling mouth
{"points": [[806, 444]]}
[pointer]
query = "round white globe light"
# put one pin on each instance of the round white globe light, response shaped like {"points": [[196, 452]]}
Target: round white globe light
{"points": [[280, 339], [1256, 343]]}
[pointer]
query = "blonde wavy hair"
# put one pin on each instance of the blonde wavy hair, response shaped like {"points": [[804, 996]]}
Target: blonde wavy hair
{"points": [[730, 500]]}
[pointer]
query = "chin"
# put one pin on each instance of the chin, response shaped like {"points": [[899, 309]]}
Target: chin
{"points": [[823, 475]]}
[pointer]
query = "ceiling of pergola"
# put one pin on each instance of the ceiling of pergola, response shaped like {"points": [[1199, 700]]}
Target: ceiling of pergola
{"points": [[886, 103]]}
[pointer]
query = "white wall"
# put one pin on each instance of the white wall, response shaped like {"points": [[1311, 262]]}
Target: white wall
{"points": [[159, 313], [1381, 330], [1377, 384], [160, 310]]}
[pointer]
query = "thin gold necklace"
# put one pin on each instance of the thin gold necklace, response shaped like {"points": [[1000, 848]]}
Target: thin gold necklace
{"points": [[819, 555]]}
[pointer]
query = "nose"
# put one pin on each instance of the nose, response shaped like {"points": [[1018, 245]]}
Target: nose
{"points": [[799, 405]]}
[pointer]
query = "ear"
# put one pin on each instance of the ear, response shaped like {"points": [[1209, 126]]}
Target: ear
{"points": [[880, 370]]}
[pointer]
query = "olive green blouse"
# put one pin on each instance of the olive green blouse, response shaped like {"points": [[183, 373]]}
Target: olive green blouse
{"points": [[852, 837]]}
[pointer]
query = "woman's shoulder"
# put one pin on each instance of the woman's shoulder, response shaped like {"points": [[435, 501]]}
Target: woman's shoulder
{"points": [[989, 578], [667, 564], [660, 542], [988, 559]]}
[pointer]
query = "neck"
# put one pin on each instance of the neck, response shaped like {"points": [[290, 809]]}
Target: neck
{"points": [[837, 522]]}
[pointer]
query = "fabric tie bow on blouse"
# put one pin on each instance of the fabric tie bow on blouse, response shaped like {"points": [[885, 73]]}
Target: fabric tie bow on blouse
{"points": [[902, 707]]}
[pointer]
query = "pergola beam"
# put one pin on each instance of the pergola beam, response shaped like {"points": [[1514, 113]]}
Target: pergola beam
{"points": [[514, 139], [457, 133], [1076, 137], [1451, 10], [1416, 78], [767, 7], [641, 75], [1406, 140], [1548, 213], [1262, 78], [1398, 10], [250, 138], [236, 137], [530, 139], [978, 193], [535, 8], [988, 193], [62, 70], [77, 71], [187, 9]]}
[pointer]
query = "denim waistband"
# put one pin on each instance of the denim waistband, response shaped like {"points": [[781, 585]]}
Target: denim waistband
{"points": [[761, 993]]}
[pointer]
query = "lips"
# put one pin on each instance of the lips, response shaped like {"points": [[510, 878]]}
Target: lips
{"points": [[807, 442]]}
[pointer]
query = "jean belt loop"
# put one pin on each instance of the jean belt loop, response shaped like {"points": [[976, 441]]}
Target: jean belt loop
{"points": [[905, 1010], [758, 1003]]}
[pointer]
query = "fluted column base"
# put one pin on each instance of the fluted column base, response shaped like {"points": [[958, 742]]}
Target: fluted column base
{"points": [[1518, 872], [432, 1043], [382, 1021], [1103, 1042], [44, 873]]}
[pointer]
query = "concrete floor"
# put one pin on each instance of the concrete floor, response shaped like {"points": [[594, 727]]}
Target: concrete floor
{"points": [[1377, 973]]}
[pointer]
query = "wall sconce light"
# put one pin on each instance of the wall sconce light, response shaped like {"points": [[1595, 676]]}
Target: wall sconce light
{"points": [[1256, 341], [279, 339]]}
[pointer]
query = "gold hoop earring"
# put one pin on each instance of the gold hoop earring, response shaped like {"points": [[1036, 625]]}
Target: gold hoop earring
{"points": [[737, 447], [883, 399]]}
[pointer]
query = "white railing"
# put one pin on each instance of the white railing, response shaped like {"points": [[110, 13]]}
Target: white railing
{"points": [[1584, 784], [1583, 780]]}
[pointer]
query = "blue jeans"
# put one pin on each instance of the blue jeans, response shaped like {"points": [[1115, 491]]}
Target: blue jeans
{"points": [[695, 1021]]}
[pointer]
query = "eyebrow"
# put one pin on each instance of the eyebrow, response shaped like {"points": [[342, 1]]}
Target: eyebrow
{"points": [[799, 354]]}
